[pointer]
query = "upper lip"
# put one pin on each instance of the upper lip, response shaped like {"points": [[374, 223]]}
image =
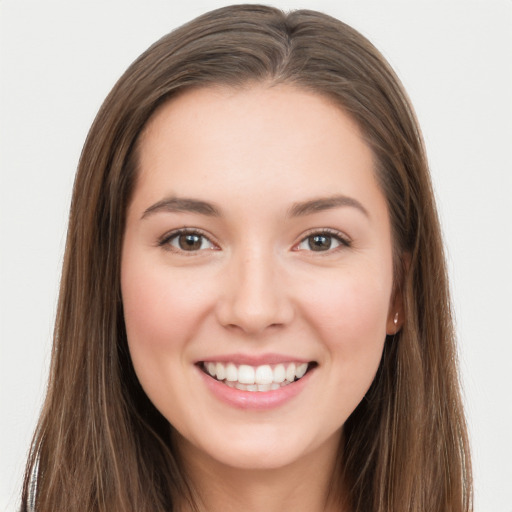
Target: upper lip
{"points": [[254, 359]]}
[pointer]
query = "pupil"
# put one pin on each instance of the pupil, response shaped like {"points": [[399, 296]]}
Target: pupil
{"points": [[319, 242], [190, 242]]}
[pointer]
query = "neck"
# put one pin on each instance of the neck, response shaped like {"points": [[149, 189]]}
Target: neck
{"points": [[308, 485]]}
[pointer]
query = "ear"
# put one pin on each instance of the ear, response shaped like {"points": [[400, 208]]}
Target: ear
{"points": [[396, 316]]}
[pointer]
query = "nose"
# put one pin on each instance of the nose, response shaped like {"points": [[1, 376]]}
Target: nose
{"points": [[255, 296]]}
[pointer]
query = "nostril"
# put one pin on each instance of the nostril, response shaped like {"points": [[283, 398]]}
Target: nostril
{"points": [[255, 302]]}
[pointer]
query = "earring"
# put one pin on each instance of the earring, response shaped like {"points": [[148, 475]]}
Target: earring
{"points": [[395, 323]]}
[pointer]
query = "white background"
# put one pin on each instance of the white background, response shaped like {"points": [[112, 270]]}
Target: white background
{"points": [[59, 59]]}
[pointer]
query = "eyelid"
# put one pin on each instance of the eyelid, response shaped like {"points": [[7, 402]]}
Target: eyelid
{"points": [[343, 239], [164, 240]]}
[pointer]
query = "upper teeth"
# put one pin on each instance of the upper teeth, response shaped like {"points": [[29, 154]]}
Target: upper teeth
{"points": [[264, 374]]}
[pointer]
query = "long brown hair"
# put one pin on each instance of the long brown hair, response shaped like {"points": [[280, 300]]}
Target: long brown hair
{"points": [[100, 444]]}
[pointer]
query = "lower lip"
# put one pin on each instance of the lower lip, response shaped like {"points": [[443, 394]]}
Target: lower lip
{"points": [[255, 400]]}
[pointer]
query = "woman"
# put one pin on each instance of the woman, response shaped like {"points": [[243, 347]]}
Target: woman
{"points": [[254, 307]]}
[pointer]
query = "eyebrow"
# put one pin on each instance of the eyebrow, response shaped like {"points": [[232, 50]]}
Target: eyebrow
{"points": [[177, 204], [182, 204], [325, 203]]}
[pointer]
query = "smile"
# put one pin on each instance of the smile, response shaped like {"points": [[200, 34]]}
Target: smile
{"points": [[265, 377]]}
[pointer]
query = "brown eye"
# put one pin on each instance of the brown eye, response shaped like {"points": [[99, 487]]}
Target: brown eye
{"points": [[188, 241], [322, 242]]}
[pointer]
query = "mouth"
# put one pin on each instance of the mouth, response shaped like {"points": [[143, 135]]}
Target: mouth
{"points": [[265, 377]]}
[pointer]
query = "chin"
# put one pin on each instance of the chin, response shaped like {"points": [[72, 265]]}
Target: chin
{"points": [[261, 449]]}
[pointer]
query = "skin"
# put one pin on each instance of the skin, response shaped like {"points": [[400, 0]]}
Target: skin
{"points": [[254, 285]]}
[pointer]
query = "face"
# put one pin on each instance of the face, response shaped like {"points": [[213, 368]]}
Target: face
{"points": [[256, 272]]}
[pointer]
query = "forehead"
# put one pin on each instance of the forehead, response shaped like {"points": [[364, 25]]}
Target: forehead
{"points": [[255, 104], [279, 139]]}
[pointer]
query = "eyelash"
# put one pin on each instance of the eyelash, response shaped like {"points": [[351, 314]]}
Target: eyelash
{"points": [[167, 238], [343, 241]]}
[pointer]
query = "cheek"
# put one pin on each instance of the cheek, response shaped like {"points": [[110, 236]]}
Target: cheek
{"points": [[354, 304], [350, 313], [349, 316], [162, 312], [161, 307]]}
